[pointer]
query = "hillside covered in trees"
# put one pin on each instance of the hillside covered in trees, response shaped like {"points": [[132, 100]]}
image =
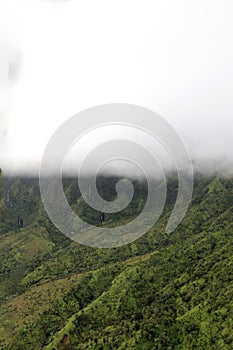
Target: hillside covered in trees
{"points": [[163, 291]]}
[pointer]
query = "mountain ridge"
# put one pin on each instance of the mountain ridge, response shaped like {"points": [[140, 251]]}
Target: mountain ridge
{"points": [[174, 299]]}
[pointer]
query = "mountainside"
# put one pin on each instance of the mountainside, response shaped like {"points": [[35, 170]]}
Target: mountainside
{"points": [[163, 291]]}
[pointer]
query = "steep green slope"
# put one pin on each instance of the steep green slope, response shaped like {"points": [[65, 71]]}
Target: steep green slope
{"points": [[180, 298], [161, 292], [20, 253]]}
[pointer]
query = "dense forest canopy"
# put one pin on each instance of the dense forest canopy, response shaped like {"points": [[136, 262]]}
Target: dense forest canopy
{"points": [[163, 291]]}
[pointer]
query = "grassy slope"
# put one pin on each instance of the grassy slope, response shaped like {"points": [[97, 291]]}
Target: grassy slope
{"points": [[160, 292]]}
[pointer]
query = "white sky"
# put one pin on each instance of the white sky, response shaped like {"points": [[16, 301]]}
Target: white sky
{"points": [[172, 56]]}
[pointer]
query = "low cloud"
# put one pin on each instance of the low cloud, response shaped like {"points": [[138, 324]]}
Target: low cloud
{"points": [[175, 58]]}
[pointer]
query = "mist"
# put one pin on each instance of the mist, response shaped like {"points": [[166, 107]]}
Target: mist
{"points": [[173, 57]]}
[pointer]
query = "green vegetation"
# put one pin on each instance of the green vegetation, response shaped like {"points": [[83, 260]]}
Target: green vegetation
{"points": [[163, 291]]}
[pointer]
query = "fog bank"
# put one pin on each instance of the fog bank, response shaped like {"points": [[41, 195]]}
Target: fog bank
{"points": [[173, 57]]}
